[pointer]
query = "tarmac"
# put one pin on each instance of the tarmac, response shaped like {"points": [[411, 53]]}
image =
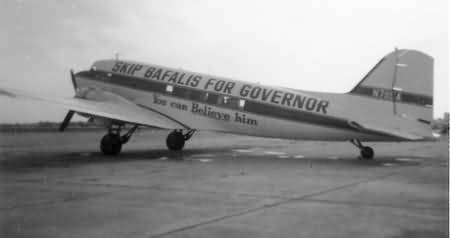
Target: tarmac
{"points": [[59, 185]]}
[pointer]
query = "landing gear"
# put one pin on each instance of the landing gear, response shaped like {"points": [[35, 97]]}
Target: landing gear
{"points": [[366, 151], [111, 143], [176, 140]]}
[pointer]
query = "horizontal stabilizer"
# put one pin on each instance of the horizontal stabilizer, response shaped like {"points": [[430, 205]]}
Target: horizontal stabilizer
{"points": [[369, 128]]}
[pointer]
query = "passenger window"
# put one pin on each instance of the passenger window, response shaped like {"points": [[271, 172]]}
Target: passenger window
{"points": [[225, 99], [241, 103], [180, 92], [169, 88], [233, 103], [213, 98], [204, 97], [198, 96], [228, 101], [221, 100]]}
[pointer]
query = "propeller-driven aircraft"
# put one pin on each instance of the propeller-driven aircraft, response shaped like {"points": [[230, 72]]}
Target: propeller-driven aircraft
{"points": [[393, 102]]}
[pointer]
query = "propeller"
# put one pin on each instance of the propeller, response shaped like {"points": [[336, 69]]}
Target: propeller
{"points": [[69, 114], [74, 83]]}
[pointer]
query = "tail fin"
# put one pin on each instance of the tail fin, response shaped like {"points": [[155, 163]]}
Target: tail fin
{"points": [[404, 77]]}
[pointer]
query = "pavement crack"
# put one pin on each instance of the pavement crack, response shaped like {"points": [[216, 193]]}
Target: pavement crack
{"points": [[52, 202], [356, 203], [152, 187], [268, 206]]}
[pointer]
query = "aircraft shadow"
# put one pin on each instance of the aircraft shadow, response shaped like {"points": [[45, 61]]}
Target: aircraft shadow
{"points": [[69, 159], [64, 159]]}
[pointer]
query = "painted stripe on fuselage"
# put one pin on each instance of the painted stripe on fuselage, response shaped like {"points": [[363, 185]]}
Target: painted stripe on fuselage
{"points": [[391, 95], [167, 116], [255, 107]]}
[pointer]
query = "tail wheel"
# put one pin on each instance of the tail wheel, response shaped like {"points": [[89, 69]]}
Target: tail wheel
{"points": [[175, 140], [111, 144], [367, 152]]}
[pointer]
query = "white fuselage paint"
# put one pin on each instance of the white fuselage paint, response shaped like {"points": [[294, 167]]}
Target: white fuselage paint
{"points": [[204, 116]]}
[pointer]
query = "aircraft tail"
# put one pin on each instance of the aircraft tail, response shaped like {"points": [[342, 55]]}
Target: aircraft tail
{"points": [[404, 77]]}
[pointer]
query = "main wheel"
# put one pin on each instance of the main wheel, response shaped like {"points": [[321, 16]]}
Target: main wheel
{"points": [[111, 144], [367, 152], [175, 141]]}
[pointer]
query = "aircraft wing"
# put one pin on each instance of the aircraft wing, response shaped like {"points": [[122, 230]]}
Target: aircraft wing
{"points": [[105, 107], [371, 128]]}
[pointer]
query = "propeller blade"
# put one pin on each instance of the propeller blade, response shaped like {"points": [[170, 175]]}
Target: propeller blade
{"points": [[72, 76], [66, 120]]}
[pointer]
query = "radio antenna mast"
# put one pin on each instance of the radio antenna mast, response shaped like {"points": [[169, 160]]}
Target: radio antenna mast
{"points": [[396, 91], [394, 80]]}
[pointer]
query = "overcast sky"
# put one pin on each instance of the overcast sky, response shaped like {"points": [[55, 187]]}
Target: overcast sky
{"points": [[315, 45]]}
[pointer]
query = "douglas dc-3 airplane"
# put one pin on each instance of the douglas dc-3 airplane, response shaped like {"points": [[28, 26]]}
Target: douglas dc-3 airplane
{"points": [[393, 102]]}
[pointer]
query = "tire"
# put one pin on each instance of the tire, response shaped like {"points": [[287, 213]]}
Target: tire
{"points": [[175, 141], [111, 144], [367, 153]]}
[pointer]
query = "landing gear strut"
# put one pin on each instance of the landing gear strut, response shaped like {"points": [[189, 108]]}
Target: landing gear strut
{"points": [[366, 151], [176, 139], [111, 143]]}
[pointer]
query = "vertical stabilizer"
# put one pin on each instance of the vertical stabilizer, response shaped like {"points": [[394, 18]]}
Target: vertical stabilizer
{"points": [[404, 77]]}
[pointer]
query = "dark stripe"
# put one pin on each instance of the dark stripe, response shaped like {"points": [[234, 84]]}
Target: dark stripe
{"points": [[292, 115], [263, 109], [129, 82], [391, 95]]}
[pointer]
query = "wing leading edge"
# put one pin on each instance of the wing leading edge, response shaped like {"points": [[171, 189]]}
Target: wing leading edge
{"points": [[120, 110]]}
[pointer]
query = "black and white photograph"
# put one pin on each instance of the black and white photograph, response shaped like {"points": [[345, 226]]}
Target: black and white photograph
{"points": [[213, 118]]}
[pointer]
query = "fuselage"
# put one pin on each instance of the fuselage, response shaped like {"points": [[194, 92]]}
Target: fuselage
{"points": [[205, 102]]}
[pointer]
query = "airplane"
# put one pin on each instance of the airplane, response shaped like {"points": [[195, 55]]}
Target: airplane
{"points": [[392, 102]]}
